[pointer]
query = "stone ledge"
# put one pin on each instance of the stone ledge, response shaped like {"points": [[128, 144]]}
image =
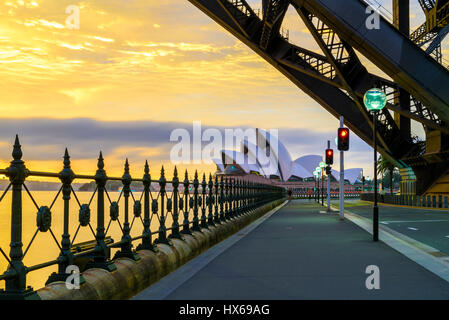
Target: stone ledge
{"points": [[131, 276]]}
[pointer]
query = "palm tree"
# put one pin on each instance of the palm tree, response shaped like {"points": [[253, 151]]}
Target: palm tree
{"points": [[383, 166]]}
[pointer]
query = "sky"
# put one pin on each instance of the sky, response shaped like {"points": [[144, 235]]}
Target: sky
{"points": [[135, 71]]}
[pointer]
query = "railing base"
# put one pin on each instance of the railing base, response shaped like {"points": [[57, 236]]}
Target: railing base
{"points": [[108, 265], [131, 255], [62, 277], [28, 294]]}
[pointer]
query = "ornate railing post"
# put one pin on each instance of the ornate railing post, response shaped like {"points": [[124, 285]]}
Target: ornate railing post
{"points": [[216, 202], [222, 200], [101, 254], [196, 224], [210, 202], [244, 197], [66, 256], [226, 198], [231, 198], [175, 226], [146, 234], [186, 223], [203, 202], [15, 283], [253, 195], [162, 238], [239, 198], [126, 246]]}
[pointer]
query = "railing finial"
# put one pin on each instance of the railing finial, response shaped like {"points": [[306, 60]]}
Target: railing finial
{"points": [[100, 164], [175, 173], [147, 167], [17, 150], [66, 161]]}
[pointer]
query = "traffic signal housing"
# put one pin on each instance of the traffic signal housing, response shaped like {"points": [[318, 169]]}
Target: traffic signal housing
{"points": [[328, 170], [343, 139], [329, 156]]}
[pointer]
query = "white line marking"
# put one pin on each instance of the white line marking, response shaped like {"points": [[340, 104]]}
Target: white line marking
{"points": [[414, 229], [413, 221]]}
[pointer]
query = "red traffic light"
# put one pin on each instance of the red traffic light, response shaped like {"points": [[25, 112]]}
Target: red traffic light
{"points": [[343, 139], [329, 156]]}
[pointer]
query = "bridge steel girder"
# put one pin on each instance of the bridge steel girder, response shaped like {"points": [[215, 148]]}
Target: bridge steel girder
{"points": [[390, 50], [335, 84]]}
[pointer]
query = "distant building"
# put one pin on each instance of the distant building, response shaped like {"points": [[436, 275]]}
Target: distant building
{"points": [[269, 158]]}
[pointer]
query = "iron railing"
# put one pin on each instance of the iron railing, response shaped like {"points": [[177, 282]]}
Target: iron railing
{"points": [[429, 201], [201, 204]]}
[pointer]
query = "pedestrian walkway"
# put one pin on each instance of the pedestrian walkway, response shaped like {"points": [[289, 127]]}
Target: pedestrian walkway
{"points": [[300, 253]]}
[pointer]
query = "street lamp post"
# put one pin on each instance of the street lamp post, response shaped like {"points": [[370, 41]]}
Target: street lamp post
{"points": [[375, 100], [322, 166], [318, 176]]}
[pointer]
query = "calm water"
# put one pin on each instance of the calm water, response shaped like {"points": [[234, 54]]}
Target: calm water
{"points": [[44, 247]]}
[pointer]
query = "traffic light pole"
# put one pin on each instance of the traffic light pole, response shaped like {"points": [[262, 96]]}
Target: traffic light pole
{"points": [[342, 178], [329, 184], [322, 188]]}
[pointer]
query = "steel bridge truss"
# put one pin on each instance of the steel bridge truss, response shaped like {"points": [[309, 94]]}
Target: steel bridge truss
{"points": [[336, 79], [435, 29]]}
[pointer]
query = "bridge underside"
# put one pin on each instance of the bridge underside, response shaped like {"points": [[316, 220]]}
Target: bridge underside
{"points": [[337, 79]]}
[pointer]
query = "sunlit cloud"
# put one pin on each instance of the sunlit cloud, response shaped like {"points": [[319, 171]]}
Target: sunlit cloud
{"points": [[159, 61]]}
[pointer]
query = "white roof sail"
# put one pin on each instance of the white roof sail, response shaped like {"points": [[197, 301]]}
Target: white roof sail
{"points": [[279, 158], [251, 154], [309, 162], [299, 171], [352, 175], [219, 164], [232, 156]]}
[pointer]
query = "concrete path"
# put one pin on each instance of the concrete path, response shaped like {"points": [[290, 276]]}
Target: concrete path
{"points": [[299, 253]]}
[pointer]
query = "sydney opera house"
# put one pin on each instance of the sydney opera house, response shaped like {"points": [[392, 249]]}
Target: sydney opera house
{"points": [[266, 156]]}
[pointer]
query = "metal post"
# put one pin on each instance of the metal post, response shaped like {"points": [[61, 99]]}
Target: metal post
{"points": [[15, 284], [185, 223], [210, 202], [322, 187], [342, 178], [216, 202], [66, 256], [126, 246], [328, 184], [375, 208], [175, 225], [162, 234], [146, 234], [196, 221], [222, 200], [101, 255], [203, 202]]}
